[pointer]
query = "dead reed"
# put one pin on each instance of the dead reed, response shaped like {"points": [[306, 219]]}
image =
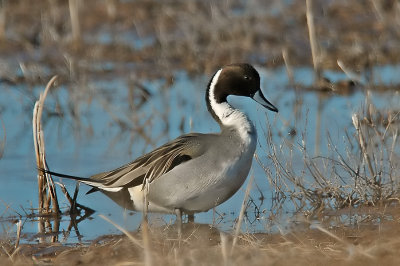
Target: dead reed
{"points": [[75, 24], [4, 140], [3, 19], [316, 57], [241, 214], [48, 202]]}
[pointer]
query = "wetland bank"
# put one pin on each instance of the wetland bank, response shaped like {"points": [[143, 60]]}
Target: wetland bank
{"points": [[132, 75]]}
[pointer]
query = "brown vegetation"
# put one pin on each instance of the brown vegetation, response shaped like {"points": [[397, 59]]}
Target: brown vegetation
{"points": [[364, 244], [199, 36]]}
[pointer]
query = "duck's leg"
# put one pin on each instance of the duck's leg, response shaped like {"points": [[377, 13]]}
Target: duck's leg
{"points": [[178, 213]]}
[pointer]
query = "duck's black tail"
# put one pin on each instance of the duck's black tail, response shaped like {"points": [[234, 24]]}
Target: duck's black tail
{"points": [[93, 183], [63, 175]]}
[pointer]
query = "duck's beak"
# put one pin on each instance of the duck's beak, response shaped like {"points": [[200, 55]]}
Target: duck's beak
{"points": [[259, 97]]}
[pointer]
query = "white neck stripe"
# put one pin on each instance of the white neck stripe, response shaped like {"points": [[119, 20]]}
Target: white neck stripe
{"points": [[228, 115], [222, 110]]}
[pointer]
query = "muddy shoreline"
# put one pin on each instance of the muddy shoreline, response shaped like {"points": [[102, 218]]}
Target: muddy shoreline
{"points": [[357, 245]]}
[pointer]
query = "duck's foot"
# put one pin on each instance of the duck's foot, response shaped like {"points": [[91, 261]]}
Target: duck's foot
{"points": [[190, 218]]}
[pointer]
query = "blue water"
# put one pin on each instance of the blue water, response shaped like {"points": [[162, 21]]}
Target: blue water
{"points": [[96, 142]]}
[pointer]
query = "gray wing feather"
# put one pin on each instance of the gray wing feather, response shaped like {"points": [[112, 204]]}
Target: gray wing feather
{"points": [[153, 164]]}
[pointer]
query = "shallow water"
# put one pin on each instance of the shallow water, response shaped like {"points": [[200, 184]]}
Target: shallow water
{"points": [[107, 132]]}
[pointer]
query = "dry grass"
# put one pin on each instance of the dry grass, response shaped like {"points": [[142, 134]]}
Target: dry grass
{"points": [[198, 36], [202, 245], [366, 173]]}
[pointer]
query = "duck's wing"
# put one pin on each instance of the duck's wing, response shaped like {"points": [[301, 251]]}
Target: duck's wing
{"points": [[151, 165]]}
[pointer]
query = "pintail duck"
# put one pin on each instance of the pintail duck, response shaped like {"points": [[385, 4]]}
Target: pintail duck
{"points": [[194, 172]]}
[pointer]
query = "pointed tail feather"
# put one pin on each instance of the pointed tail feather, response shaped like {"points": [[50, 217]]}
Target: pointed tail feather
{"points": [[82, 179], [93, 183], [62, 175]]}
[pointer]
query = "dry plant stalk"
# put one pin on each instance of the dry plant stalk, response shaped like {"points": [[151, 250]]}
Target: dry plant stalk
{"points": [[111, 7], [3, 142], [289, 69], [363, 145], [353, 248], [145, 226], [146, 239], [224, 248], [3, 19], [19, 229], [146, 244], [74, 14], [350, 74], [241, 214], [313, 41], [47, 192], [129, 235]]}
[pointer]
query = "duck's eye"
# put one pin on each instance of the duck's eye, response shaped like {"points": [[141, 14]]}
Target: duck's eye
{"points": [[247, 78]]}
